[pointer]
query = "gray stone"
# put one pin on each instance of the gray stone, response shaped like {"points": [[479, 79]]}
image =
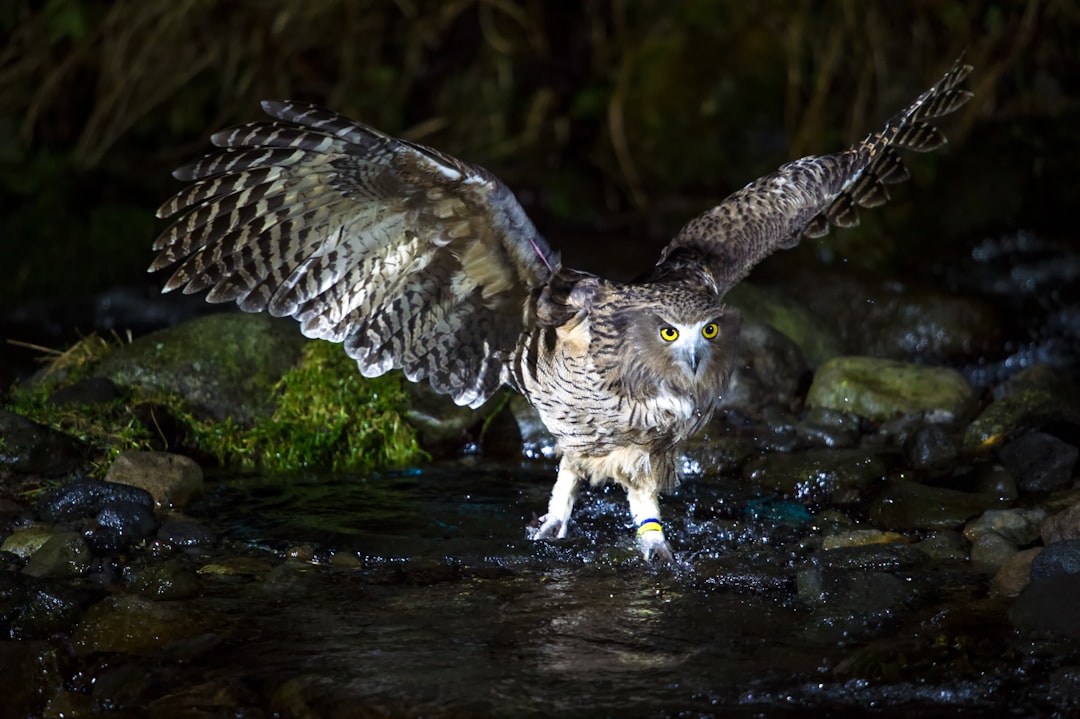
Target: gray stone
{"points": [[171, 479], [1063, 525], [1040, 462], [1019, 526], [989, 551], [1014, 573], [65, 554], [1057, 559]]}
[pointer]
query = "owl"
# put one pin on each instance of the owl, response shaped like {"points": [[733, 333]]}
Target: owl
{"points": [[417, 261]]}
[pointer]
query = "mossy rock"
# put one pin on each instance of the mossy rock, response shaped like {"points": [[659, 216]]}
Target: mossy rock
{"points": [[881, 389], [224, 365]]}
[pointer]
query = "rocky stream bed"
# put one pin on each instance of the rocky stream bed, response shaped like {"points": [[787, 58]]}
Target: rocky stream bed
{"points": [[884, 519]]}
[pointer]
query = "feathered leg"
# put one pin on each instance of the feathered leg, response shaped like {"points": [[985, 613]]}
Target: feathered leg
{"points": [[645, 509], [556, 522]]}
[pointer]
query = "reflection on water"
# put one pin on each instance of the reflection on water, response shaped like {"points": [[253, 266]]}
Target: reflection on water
{"points": [[449, 611]]}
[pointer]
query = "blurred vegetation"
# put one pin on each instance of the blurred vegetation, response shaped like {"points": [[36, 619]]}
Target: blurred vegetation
{"points": [[326, 416], [623, 116]]}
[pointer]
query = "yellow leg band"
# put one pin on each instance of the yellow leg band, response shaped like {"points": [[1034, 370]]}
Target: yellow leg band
{"points": [[649, 525]]}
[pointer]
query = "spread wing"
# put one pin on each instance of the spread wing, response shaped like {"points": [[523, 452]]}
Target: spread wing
{"points": [[806, 196], [411, 258]]}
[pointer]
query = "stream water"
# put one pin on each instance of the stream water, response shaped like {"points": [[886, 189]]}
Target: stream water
{"points": [[420, 596]]}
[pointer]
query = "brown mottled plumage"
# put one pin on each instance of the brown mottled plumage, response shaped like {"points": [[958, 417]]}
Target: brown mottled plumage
{"points": [[416, 260]]}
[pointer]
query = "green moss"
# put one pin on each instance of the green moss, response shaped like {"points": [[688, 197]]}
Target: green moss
{"points": [[326, 416]]}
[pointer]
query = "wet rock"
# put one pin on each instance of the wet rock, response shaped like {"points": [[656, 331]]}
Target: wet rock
{"points": [[224, 365], [769, 306], [171, 479], [1014, 573], [130, 623], [1019, 526], [1049, 607], [169, 580], [237, 567], [769, 369], [879, 389], [34, 609], [861, 537], [905, 505], [850, 604], [884, 318], [104, 541], [185, 533], [131, 520], [1040, 462], [931, 445], [27, 540], [30, 448], [989, 551], [1056, 559], [65, 554], [93, 390], [1030, 402], [1063, 525], [945, 546], [86, 497], [817, 475]]}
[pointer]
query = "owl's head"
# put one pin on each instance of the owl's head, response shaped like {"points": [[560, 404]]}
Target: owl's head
{"points": [[696, 344], [679, 340]]}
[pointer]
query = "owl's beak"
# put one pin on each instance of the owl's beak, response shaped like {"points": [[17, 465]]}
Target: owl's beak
{"points": [[692, 360]]}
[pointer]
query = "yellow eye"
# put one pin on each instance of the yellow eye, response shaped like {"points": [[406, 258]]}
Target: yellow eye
{"points": [[710, 330], [668, 334]]}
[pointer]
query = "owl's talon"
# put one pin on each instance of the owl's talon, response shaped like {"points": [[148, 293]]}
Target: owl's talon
{"points": [[654, 547], [549, 528]]}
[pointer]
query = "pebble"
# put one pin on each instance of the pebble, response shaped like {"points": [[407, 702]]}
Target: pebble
{"points": [[1057, 559], [25, 541], [860, 538], [171, 479], [1063, 525], [989, 551], [931, 446], [1019, 526], [1040, 462], [945, 546], [1014, 573], [64, 554]]}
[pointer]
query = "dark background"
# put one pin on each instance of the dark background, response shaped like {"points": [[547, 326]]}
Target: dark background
{"points": [[615, 122]]}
